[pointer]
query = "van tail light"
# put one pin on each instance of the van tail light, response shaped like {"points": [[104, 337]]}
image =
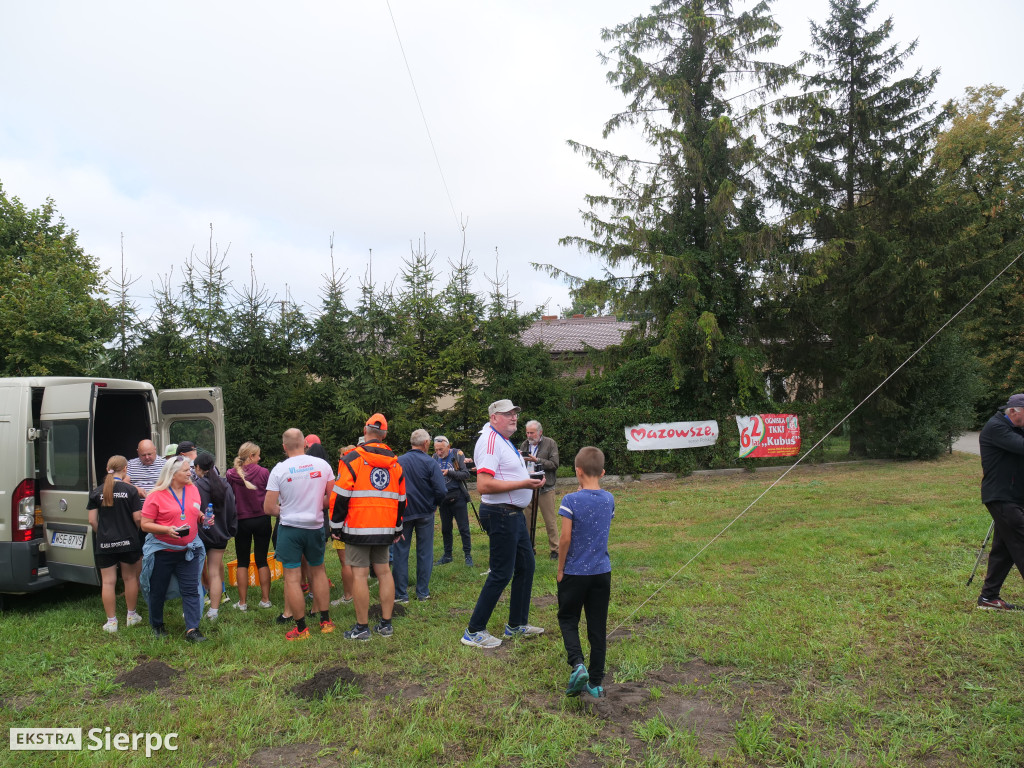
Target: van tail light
{"points": [[23, 511]]}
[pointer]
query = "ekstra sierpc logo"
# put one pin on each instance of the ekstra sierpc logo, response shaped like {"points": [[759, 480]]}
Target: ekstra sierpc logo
{"points": [[70, 740]]}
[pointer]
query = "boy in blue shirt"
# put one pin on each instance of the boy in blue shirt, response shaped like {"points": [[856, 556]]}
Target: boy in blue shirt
{"points": [[585, 572]]}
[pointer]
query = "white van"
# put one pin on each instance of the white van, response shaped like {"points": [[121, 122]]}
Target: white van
{"points": [[56, 435]]}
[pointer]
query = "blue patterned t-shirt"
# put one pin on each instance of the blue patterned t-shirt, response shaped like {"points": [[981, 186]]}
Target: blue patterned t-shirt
{"points": [[591, 513]]}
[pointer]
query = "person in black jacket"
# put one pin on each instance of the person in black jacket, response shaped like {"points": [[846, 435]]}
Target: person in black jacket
{"points": [[453, 507], [1002, 492], [213, 489]]}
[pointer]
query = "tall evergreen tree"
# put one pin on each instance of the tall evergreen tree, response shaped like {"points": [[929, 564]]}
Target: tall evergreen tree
{"points": [[867, 284], [687, 221]]}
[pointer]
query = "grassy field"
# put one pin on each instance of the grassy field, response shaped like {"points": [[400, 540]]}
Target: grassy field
{"points": [[830, 626]]}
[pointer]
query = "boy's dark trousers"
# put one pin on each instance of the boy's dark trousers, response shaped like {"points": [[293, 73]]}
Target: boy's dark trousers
{"points": [[591, 595]]}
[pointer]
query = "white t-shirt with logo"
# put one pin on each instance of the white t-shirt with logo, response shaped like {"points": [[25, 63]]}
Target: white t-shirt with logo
{"points": [[301, 482], [497, 457]]}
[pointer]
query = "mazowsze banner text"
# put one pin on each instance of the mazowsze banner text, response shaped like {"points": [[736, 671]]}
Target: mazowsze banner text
{"points": [[675, 434], [768, 434]]}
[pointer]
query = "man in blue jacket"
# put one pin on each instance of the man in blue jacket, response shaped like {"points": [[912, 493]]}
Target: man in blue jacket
{"points": [[424, 490], [1002, 491]]}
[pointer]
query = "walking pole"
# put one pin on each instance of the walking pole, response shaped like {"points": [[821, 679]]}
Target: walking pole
{"points": [[981, 552], [472, 506]]}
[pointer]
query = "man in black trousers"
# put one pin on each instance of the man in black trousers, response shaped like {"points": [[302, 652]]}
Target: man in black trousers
{"points": [[1002, 491]]}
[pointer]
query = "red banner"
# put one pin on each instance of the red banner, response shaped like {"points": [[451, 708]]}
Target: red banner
{"points": [[768, 434]]}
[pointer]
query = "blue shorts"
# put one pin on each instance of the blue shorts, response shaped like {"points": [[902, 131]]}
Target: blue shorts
{"points": [[293, 543]]}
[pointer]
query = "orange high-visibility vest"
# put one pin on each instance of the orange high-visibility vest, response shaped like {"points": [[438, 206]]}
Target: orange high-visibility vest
{"points": [[368, 501]]}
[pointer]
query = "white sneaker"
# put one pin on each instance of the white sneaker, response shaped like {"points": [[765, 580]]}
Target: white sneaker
{"points": [[243, 606], [111, 625], [264, 604], [341, 601], [133, 619], [525, 630], [481, 639], [213, 613]]}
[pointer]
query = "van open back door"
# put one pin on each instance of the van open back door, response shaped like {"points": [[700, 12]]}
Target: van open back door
{"points": [[196, 415], [66, 422]]}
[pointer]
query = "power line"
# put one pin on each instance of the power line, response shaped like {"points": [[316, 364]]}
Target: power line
{"points": [[423, 115], [780, 478]]}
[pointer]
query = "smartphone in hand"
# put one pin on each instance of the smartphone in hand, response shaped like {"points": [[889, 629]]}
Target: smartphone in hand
{"points": [[183, 531]]}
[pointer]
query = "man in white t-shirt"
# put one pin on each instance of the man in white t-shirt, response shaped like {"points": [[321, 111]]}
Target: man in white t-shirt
{"points": [[298, 490], [506, 488]]}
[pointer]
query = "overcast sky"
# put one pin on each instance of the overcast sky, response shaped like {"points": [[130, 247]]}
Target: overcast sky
{"points": [[282, 123]]}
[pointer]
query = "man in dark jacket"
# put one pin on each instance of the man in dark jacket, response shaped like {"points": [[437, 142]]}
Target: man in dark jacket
{"points": [[453, 507], [543, 452], [1002, 491], [424, 490]]}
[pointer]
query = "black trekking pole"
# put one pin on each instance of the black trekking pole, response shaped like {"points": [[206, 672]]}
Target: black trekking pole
{"points": [[981, 552], [472, 505]]}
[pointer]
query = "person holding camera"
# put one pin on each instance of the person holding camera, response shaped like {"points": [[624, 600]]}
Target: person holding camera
{"points": [[171, 516], [1002, 492], [454, 505], [541, 454], [506, 489]]}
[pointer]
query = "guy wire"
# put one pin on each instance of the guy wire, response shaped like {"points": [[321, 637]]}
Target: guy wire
{"points": [[423, 115], [813, 447]]}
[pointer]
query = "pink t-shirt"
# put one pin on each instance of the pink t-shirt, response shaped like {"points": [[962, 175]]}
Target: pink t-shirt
{"points": [[166, 507]]}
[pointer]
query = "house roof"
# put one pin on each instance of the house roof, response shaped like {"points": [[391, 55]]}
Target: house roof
{"points": [[571, 334]]}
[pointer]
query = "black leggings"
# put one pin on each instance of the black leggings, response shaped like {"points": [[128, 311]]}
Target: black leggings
{"points": [[250, 529]]}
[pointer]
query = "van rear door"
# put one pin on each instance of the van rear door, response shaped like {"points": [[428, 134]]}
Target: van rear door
{"points": [[196, 415], [66, 423]]}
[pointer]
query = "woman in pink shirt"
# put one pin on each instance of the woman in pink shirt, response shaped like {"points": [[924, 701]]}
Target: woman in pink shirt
{"points": [[171, 513]]}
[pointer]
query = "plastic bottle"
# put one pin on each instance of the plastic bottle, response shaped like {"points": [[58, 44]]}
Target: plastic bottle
{"points": [[208, 517]]}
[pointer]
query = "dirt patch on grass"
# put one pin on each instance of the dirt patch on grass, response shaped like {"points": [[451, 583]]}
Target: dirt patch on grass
{"points": [[544, 600], [634, 627], [686, 697], [327, 682], [375, 611], [295, 756], [149, 675]]}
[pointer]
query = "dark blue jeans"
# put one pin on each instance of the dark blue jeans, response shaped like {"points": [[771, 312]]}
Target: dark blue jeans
{"points": [[424, 528], [511, 560], [168, 562], [458, 511]]}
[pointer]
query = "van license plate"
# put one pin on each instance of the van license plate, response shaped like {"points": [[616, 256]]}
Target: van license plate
{"points": [[68, 540]]}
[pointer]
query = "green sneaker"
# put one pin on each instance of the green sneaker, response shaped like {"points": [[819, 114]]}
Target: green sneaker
{"points": [[577, 680]]}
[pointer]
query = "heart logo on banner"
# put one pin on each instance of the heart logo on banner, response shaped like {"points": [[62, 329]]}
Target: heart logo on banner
{"points": [[638, 434]]}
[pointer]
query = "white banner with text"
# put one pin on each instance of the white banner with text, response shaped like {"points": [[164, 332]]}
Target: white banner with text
{"points": [[675, 434]]}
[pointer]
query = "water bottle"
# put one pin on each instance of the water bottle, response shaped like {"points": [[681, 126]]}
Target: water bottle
{"points": [[208, 517]]}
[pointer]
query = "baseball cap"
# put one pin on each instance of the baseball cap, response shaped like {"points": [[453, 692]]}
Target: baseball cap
{"points": [[502, 406], [170, 450], [378, 421], [312, 440], [185, 446], [1015, 401]]}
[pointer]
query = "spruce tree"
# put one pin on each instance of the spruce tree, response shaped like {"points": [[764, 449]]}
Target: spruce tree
{"points": [[687, 221], [867, 283]]}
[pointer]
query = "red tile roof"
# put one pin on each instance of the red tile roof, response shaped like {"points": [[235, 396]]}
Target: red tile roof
{"points": [[570, 334]]}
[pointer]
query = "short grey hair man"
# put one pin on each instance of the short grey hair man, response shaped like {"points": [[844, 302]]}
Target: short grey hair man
{"points": [[534, 424], [418, 438]]}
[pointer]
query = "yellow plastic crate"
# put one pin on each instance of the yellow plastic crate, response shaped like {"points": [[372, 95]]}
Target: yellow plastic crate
{"points": [[276, 571]]}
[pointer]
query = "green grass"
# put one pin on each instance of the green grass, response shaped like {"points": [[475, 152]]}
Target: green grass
{"points": [[830, 626]]}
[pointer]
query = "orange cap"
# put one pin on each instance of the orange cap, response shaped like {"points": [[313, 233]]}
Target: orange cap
{"points": [[378, 421]]}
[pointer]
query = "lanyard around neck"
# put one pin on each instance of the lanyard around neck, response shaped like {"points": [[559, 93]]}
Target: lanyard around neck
{"points": [[181, 501]]}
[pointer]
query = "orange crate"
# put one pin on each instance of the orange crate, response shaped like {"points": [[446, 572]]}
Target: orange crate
{"points": [[276, 571]]}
